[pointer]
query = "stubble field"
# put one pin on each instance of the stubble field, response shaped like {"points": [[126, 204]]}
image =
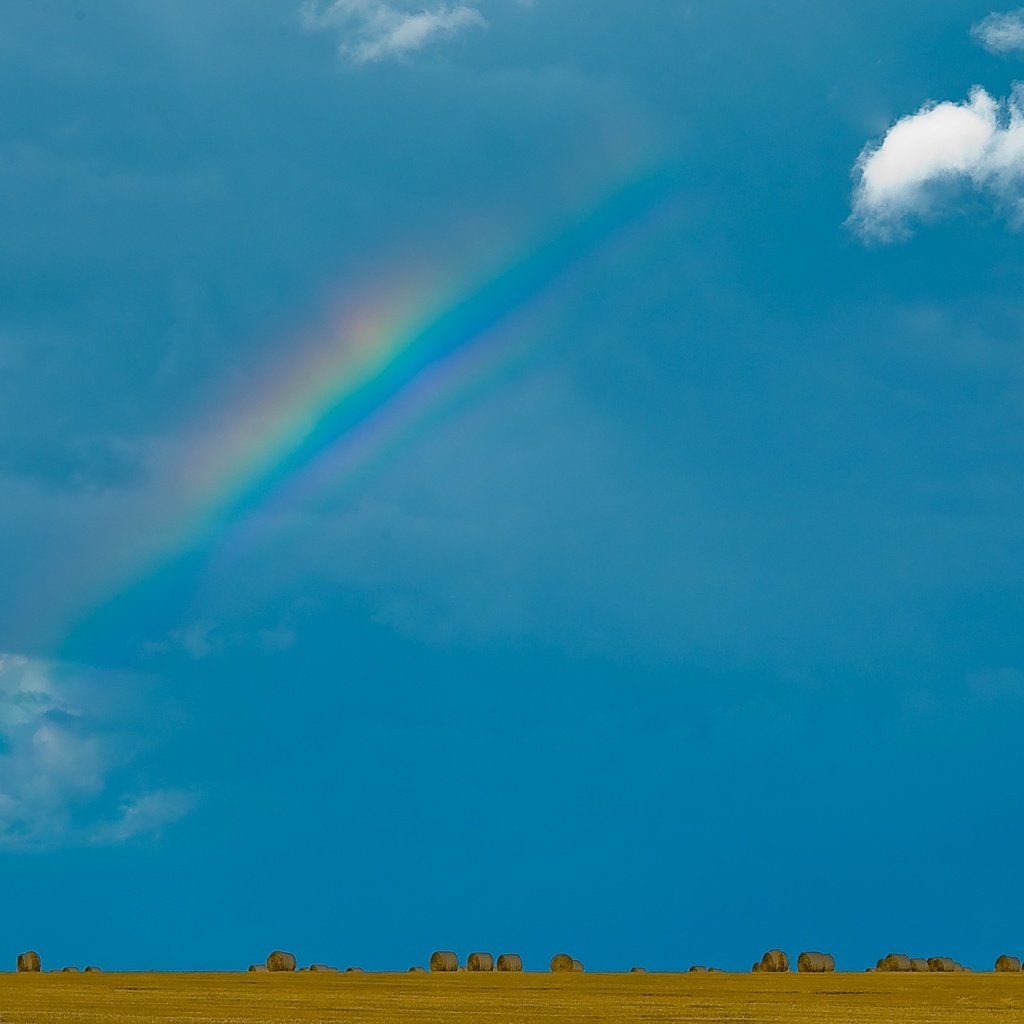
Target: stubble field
{"points": [[509, 998]]}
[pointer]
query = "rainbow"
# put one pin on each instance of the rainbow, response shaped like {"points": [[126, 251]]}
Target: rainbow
{"points": [[341, 400]]}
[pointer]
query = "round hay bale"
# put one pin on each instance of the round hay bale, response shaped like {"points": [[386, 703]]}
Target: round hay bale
{"points": [[479, 962], [1007, 964], [775, 961], [697, 969], [69, 970], [510, 962], [895, 962], [417, 970], [444, 960], [943, 964], [258, 967], [578, 967], [29, 961], [561, 963], [815, 963], [638, 970], [281, 961], [757, 968], [93, 970], [323, 969], [354, 970], [919, 964]]}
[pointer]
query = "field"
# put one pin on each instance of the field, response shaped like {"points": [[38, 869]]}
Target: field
{"points": [[509, 998]]}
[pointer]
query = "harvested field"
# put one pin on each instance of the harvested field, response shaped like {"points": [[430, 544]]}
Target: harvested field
{"points": [[511, 998]]}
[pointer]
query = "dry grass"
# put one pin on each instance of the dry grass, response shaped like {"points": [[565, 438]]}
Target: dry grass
{"points": [[510, 998]]}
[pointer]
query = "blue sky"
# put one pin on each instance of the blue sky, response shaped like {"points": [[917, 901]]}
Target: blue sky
{"points": [[675, 617]]}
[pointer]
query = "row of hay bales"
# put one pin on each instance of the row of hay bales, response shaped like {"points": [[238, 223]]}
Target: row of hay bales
{"points": [[30, 963], [446, 961], [901, 963], [774, 961], [279, 960]]}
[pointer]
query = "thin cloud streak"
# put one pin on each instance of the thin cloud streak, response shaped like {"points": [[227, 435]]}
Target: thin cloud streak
{"points": [[373, 30]]}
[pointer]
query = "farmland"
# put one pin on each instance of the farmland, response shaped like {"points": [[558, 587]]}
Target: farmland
{"points": [[508, 998]]}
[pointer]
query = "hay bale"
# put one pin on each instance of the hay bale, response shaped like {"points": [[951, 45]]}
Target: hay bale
{"points": [[715, 970], [919, 964], [895, 962], [942, 964], [510, 962], [354, 970], [638, 970], [1007, 964], [757, 968], [578, 967], [29, 961], [815, 963], [69, 970], [417, 970], [93, 970], [258, 967], [323, 969], [479, 962], [775, 961], [281, 961], [696, 969], [561, 963], [444, 960]]}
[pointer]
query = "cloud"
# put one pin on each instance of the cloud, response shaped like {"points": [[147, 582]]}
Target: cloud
{"points": [[374, 30], [145, 815], [58, 754], [1001, 33], [928, 159]]}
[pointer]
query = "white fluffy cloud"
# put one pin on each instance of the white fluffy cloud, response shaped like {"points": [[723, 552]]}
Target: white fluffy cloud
{"points": [[928, 158], [1001, 33], [374, 30], [57, 755]]}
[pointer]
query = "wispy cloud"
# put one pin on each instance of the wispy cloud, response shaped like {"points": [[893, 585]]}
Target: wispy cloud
{"points": [[1001, 33], [927, 159], [374, 30], [144, 815], [57, 757]]}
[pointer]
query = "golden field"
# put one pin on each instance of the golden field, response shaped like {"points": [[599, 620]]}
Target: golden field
{"points": [[509, 998]]}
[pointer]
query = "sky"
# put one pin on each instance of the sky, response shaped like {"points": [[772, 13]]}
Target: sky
{"points": [[499, 476]]}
